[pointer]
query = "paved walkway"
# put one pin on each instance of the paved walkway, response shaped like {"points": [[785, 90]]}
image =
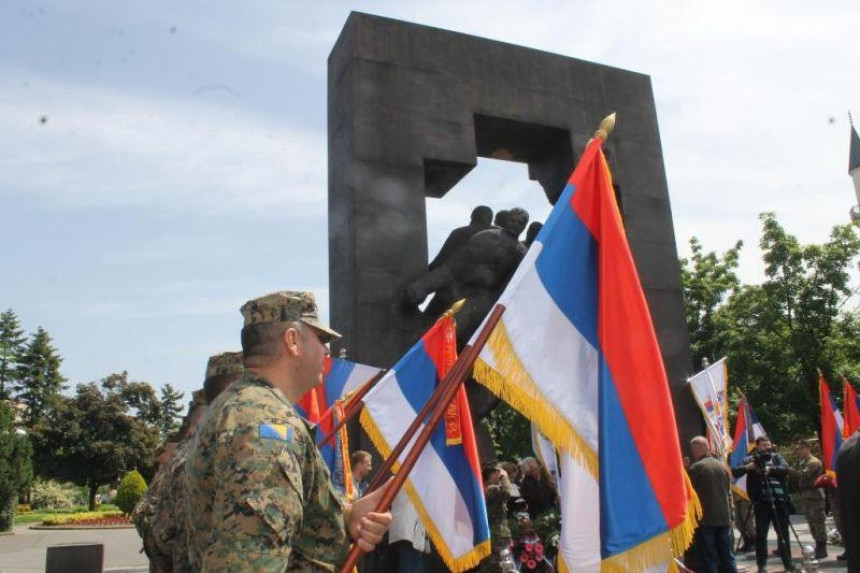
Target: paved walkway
{"points": [[774, 565], [25, 551]]}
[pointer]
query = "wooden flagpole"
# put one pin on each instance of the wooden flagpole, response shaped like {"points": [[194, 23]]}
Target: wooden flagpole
{"points": [[350, 412], [450, 386], [355, 403]]}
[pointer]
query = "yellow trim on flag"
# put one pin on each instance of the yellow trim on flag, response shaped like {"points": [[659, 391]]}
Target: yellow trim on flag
{"points": [[511, 382], [663, 547], [458, 564]]}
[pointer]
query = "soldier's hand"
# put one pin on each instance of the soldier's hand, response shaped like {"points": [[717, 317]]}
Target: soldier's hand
{"points": [[364, 525]]}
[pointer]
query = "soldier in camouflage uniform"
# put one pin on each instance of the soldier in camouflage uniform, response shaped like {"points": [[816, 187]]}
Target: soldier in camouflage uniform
{"points": [[153, 515], [813, 498], [146, 508], [497, 487], [258, 494], [744, 521]]}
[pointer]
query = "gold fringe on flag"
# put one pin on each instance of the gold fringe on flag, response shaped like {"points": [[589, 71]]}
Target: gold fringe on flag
{"points": [[510, 381], [462, 563]]}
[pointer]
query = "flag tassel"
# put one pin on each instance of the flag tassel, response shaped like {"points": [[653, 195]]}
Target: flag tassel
{"points": [[441, 399]]}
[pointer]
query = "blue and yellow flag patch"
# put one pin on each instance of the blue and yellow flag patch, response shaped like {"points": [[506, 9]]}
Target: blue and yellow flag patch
{"points": [[279, 432]]}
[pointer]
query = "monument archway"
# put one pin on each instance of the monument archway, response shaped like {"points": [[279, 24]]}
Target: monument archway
{"points": [[410, 110]]}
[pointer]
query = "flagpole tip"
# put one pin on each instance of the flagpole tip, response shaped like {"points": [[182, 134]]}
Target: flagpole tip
{"points": [[456, 307], [606, 127]]}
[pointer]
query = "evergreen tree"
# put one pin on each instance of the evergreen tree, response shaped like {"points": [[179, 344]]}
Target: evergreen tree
{"points": [[16, 471], [171, 408], [38, 376], [11, 347]]}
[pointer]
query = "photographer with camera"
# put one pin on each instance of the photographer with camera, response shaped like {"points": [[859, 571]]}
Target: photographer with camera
{"points": [[766, 472]]}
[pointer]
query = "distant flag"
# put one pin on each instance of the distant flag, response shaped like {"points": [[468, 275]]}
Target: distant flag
{"points": [[545, 451], [576, 353], [831, 426], [710, 389], [851, 405], [747, 430], [323, 406], [445, 486]]}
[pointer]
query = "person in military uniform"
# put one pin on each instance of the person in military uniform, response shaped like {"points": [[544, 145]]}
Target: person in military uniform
{"points": [[154, 514], [168, 524], [142, 515], [497, 488], [809, 470], [258, 494], [744, 521]]}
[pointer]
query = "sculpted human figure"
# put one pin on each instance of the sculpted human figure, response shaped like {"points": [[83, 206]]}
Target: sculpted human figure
{"points": [[478, 272], [482, 217]]}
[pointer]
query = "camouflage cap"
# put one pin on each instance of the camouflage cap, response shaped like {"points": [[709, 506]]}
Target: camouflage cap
{"points": [[286, 306], [198, 398], [226, 363]]}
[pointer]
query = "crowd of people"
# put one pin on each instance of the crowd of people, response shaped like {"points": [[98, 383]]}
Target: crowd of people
{"points": [[766, 503]]}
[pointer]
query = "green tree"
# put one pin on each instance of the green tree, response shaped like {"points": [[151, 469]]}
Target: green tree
{"points": [[708, 281], [778, 333], [510, 432], [99, 434], [131, 489], [39, 381], [170, 410], [16, 470], [11, 347]]}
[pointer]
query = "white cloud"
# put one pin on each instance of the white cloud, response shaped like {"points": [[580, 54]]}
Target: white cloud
{"points": [[100, 148]]}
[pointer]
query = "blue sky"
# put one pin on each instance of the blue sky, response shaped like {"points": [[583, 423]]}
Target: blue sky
{"points": [[162, 162]]}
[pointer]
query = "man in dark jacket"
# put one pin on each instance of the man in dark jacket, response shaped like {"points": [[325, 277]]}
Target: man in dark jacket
{"points": [[766, 471], [848, 478], [710, 479]]}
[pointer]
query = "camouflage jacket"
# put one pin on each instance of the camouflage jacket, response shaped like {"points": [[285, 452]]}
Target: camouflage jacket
{"points": [[497, 513], [144, 514], [172, 532], [258, 494], [809, 471]]}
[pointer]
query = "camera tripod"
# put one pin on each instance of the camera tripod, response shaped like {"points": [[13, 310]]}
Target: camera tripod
{"points": [[783, 542]]}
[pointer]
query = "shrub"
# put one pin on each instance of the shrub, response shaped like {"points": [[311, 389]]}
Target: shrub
{"points": [[49, 494], [82, 517], [23, 508], [131, 489]]}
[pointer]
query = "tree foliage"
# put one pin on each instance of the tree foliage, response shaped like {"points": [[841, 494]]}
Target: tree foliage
{"points": [[38, 381], [510, 432], [777, 334], [11, 348], [100, 433], [170, 409], [16, 471], [130, 490]]}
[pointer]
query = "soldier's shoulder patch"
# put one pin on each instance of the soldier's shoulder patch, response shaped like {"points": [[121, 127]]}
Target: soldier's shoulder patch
{"points": [[279, 432]]}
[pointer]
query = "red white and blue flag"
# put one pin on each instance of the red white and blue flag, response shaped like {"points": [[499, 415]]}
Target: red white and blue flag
{"points": [[445, 485], [851, 404], [831, 426], [575, 352], [747, 430], [323, 406]]}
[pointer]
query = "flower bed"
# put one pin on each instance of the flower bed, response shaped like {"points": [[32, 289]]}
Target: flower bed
{"points": [[88, 518]]}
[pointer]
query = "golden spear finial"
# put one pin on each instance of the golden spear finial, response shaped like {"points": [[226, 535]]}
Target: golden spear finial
{"points": [[606, 127], [455, 308]]}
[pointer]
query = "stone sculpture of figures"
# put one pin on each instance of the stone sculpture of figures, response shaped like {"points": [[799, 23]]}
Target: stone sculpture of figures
{"points": [[482, 217], [478, 271]]}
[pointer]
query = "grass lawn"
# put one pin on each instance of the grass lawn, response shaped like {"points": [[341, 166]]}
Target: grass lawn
{"points": [[38, 515]]}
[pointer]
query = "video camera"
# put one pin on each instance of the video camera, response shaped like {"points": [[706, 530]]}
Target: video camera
{"points": [[762, 460]]}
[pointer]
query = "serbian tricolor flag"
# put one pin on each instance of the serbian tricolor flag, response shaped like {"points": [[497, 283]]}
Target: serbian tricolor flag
{"points": [[324, 406], [575, 352], [831, 426], [851, 405], [747, 430], [445, 485]]}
